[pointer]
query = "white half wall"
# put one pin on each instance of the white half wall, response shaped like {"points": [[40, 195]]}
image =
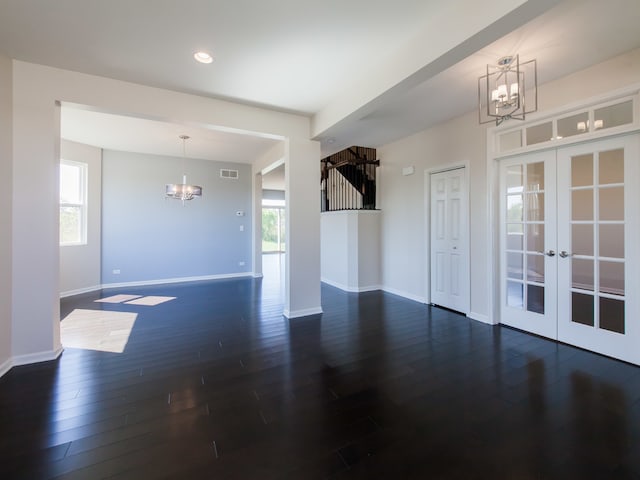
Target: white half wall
{"points": [[6, 169], [350, 249], [80, 264]]}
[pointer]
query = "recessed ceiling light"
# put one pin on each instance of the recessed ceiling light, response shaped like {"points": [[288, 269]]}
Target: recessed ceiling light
{"points": [[203, 57]]}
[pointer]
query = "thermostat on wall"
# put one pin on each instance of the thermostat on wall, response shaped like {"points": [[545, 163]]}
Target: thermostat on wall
{"points": [[408, 170], [239, 213]]}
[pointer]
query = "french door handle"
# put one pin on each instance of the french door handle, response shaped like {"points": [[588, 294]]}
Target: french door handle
{"points": [[564, 254], [550, 253]]}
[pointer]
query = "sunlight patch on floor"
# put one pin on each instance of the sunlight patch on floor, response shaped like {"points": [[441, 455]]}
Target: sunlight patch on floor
{"points": [[100, 330], [117, 298], [150, 300]]}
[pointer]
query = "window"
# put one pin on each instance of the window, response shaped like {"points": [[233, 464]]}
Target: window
{"points": [[73, 203]]}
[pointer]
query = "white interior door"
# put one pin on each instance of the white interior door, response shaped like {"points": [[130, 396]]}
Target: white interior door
{"points": [[569, 241], [449, 240], [527, 243], [598, 239]]}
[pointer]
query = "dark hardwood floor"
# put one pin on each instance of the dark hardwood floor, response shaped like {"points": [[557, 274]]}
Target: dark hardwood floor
{"points": [[216, 384]]}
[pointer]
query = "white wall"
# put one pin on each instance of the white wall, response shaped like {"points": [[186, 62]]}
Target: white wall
{"points": [[80, 264], [6, 159], [334, 249], [38, 92], [463, 140], [350, 249]]}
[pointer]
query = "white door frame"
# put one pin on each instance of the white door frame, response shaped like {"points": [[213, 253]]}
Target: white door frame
{"points": [[427, 226]]}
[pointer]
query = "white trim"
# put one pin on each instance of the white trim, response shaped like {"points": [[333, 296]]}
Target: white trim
{"points": [[400, 293], [302, 313], [481, 317], [5, 366], [346, 288], [46, 356], [79, 291], [257, 275], [176, 280]]}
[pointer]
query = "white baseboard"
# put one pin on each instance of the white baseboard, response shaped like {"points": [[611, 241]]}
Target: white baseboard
{"points": [[177, 280], [400, 293], [79, 291], [480, 317], [5, 366], [36, 357], [346, 288], [302, 313]]}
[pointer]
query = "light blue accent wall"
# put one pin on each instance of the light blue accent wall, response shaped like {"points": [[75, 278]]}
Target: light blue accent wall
{"points": [[148, 237]]}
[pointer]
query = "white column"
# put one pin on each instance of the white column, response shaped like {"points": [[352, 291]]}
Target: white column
{"points": [[6, 167], [35, 298], [257, 224], [302, 224]]}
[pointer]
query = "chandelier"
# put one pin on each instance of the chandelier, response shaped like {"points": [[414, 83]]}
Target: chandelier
{"points": [[183, 191], [501, 92]]}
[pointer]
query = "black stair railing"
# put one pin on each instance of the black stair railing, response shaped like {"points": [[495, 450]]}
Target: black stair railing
{"points": [[348, 180]]}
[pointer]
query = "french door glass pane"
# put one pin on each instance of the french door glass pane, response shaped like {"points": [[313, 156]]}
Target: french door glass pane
{"points": [[535, 176], [611, 167], [514, 179], [535, 237], [535, 268], [612, 315], [582, 273], [582, 170], [582, 239], [515, 235], [515, 294], [582, 204], [535, 299], [514, 265], [612, 278], [514, 208], [611, 240], [612, 203], [582, 308], [535, 207]]}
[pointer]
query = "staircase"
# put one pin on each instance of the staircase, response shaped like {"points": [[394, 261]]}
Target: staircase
{"points": [[348, 180]]}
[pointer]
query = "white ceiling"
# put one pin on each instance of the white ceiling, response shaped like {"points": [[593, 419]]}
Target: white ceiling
{"points": [[291, 55]]}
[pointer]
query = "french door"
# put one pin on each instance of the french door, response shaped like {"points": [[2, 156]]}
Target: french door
{"points": [[569, 240]]}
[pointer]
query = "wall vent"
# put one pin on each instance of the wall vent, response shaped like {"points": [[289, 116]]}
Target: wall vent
{"points": [[226, 173]]}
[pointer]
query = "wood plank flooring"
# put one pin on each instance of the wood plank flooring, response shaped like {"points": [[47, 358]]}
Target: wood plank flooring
{"points": [[216, 384]]}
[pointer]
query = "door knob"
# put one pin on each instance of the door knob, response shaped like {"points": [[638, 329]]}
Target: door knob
{"points": [[550, 253], [564, 254]]}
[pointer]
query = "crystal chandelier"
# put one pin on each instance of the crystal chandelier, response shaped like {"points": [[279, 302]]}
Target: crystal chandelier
{"points": [[501, 92], [183, 191]]}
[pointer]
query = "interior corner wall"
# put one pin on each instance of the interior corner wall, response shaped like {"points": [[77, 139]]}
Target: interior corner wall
{"points": [[80, 264], [148, 237], [6, 173], [463, 141]]}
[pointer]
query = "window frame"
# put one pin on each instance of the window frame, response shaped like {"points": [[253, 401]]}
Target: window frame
{"points": [[82, 205]]}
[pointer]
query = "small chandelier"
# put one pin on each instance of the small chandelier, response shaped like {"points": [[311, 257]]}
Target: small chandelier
{"points": [[183, 191], [501, 92]]}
